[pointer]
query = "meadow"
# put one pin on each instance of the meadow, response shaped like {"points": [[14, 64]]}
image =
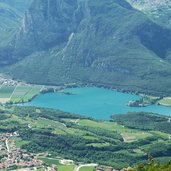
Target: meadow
{"points": [[88, 168], [166, 101], [19, 93]]}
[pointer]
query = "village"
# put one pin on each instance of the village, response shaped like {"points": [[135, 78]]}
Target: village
{"points": [[13, 157], [7, 82]]}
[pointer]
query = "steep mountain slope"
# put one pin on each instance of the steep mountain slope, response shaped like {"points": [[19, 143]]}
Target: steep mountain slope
{"points": [[10, 19], [11, 16], [12, 12], [19, 5], [158, 10], [106, 43]]}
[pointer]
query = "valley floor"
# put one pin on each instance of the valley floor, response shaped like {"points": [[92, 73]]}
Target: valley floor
{"points": [[46, 134], [12, 91]]}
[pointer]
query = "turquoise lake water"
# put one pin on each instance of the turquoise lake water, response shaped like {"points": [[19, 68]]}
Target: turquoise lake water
{"points": [[98, 103]]}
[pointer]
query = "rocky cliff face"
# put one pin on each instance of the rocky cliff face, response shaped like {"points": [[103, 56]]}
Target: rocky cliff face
{"points": [[47, 24], [52, 23]]}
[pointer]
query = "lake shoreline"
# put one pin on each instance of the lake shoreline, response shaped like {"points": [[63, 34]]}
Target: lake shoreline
{"points": [[140, 103], [93, 101]]}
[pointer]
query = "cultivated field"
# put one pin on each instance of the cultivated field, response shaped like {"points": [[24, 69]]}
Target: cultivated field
{"points": [[6, 91], [19, 93]]}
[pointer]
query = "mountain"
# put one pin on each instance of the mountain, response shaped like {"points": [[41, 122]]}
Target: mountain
{"points": [[157, 10], [107, 43], [11, 16], [12, 12], [19, 5]]}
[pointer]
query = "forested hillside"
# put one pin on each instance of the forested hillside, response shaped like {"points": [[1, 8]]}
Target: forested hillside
{"points": [[102, 42]]}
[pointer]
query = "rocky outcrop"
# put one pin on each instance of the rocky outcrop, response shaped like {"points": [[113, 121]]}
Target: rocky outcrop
{"points": [[47, 24]]}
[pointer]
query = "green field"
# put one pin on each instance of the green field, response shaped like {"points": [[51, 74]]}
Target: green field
{"points": [[165, 101], [65, 168], [25, 93], [129, 135], [33, 91], [18, 94], [49, 161], [61, 167], [6, 91], [88, 168], [19, 142]]}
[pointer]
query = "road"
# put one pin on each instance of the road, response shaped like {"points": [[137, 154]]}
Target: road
{"points": [[85, 165], [6, 142]]}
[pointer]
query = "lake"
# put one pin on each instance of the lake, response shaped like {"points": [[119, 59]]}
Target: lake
{"points": [[98, 103]]}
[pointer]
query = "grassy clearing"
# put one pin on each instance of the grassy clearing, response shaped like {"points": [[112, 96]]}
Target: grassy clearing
{"points": [[138, 151], [129, 135], [46, 123], [76, 131], [49, 161], [160, 134], [19, 142], [6, 91], [88, 137], [99, 144], [65, 168], [112, 126], [165, 101], [88, 168], [61, 167], [58, 128]]}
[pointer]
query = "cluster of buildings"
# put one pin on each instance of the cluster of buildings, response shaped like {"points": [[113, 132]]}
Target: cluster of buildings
{"points": [[7, 82], [108, 168], [12, 156]]}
